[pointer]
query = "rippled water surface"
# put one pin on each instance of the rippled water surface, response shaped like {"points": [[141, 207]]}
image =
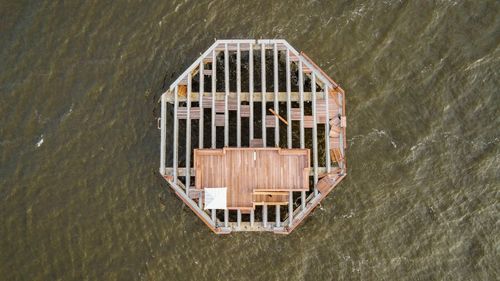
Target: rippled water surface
{"points": [[80, 196]]}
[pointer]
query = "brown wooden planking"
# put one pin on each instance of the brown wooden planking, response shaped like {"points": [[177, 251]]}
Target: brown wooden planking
{"points": [[274, 169]]}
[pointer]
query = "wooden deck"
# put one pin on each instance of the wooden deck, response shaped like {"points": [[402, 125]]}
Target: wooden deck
{"points": [[247, 170], [248, 115]]}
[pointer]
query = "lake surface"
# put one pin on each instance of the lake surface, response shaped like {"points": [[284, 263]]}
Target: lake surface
{"points": [[81, 198]]}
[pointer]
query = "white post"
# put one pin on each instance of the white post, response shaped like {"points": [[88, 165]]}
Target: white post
{"points": [[327, 131], [238, 93], [250, 89], [264, 215], [188, 135], [200, 99], [263, 90], [278, 216], [163, 135], [176, 133], [214, 90], [226, 81], [290, 208], [276, 105], [288, 101], [315, 133], [301, 94]]}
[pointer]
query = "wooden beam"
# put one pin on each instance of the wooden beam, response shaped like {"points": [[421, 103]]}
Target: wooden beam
{"points": [[163, 134], [290, 208], [238, 101], [278, 116], [245, 96], [181, 172], [250, 90], [252, 217], [176, 134], [276, 105], [301, 91], [315, 134], [288, 101], [327, 131], [303, 200], [202, 90], [226, 217], [264, 215], [226, 81], [263, 90], [188, 135], [238, 216], [214, 217], [214, 91], [278, 216]]}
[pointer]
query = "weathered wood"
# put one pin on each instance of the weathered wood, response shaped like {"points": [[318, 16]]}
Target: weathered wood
{"points": [[214, 91], [278, 116], [328, 163], [202, 90], [163, 141], [278, 216], [250, 90], [226, 217], [276, 90], [288, 101], [176, 135], [238, 91], [245, 97], [263, 91], [226, 83], [264, 215], [290, 208], [315, 135], [252, 217], [181, 172], [301, 97], [238, 214], [188, 135]]}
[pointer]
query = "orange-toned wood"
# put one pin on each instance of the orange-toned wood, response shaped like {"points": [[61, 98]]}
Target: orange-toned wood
{"points": [[279, 116], [182, 91]]}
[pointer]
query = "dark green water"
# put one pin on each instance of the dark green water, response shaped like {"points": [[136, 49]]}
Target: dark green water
{"points": [[80, 196]]}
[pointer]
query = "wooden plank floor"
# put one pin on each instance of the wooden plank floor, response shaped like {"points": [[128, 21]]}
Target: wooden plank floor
{"points": [[235, 168]]}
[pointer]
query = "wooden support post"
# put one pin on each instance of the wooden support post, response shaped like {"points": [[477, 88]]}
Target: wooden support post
{"points": [[188, 135], [315, 134], [290, 208], [276, 90], [250, 89], [226, 217], [301, 93], [327, 130], [214, 217], [278, 216], [214, 90], [303, 200], [239, 218], [226, 81], [200, 99], [302, 142], [341, 141], [200, 201], [163, 141], [238, 93], [263, 90], [264, 215], [252, 217], [288, 102], [176, 133]]}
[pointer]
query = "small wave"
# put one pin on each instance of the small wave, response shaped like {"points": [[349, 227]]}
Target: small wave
{"points": [[40, 142]]}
